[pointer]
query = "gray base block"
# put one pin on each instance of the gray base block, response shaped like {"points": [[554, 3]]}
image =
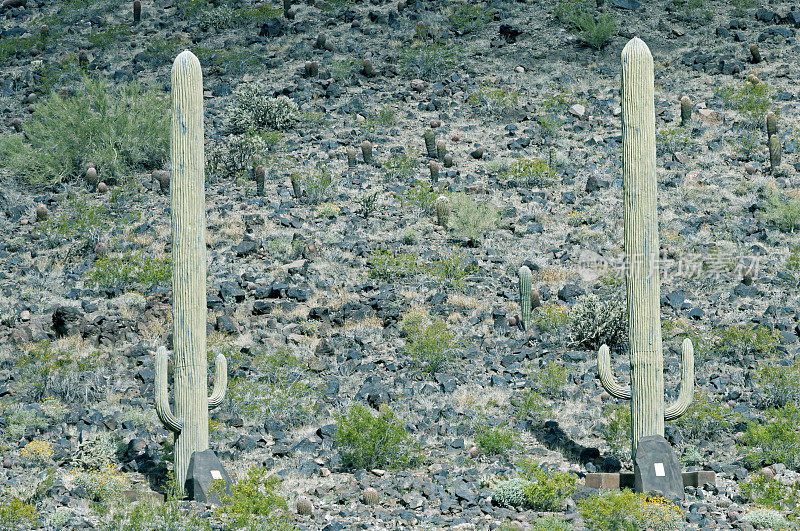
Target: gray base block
{"points": [[204, 470], [624, 480]]}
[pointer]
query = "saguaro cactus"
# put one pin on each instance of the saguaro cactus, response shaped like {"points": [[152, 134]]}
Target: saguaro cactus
{"points": [[646, 392], [525, 296], [189, 421]]}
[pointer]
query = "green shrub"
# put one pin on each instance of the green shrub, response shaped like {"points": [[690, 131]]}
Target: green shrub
{"points": [[759, 341], [385, 117], [616, 430], [672, 140], [495, 441], [98, 451], [428, 340], [233, 156], [549, 379], [595, 322], [628, 511], [132, 269], [595, 32], [430, 59], [343, 69], [530, 172], [706, 418], [780, 383], [120, 131], [114, 35], [103, 484], [510, 492], [318, 184], [253, 503], [783, 213], [493, 100], [400, 166], [536, 489], [751, 100], [232, 60], [367, 441], [78, 216], [766, 519], [388, 266], [451, 267], [551, 523], [769, 492], [16, 514], [422, 196], [472, 220], [550, 317], [567, 10], [252, 109], [775, 440], [532, 404], [694, 9], [466, 18]]}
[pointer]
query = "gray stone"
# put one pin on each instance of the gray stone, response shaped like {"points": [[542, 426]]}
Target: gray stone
{"points": [[204, 470], [656, 467]]}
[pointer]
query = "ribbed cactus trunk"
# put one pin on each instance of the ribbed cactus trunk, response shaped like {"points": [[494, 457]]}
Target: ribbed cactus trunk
{"points": [[188, 260], [525, 296], [640, 212], [190, 419], [641, 241]]}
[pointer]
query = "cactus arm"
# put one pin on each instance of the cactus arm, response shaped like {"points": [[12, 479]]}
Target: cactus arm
{"points": [[220, 382], [687, 383], [610, 383], [162, 395]]}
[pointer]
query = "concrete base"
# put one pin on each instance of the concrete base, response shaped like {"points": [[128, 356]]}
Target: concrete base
{"points": [[623, 480]]}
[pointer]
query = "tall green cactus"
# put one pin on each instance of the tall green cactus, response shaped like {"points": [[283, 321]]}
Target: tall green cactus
{"points": [[190, 419], [525, 296], [640, 213]]}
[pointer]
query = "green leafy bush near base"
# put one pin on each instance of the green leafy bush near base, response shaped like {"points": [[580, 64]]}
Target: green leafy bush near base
{"points": [[16, 514], [707, 418], [495, 441], [784, 213], [121, 131], [616, 428], [775, 440], [751, 100], [764, 491], [628, 511], [535, 488], [595, 31], [132, 269], [368, 441], [779, 382], [428, 340], [472, 220], [253, 503]]}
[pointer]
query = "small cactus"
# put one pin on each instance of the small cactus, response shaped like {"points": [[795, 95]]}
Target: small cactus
{"points": [[312, 68], [351, 157], [433, 166], [322, 41], [260, 174], [774, 152], [16, 123], [441, 150], [304, 506], [448, 160], [366, 151], [430, 143], [755, 55], [366, 68], [83, 59], [287, 5], [162, 177], [91, 177], [753, 80], [686, 110], [371, 496], [442, 206], [772, 124], [295, 178], [102, 187], [525, 296], [137, 11], [44, 30], [41, 213]]}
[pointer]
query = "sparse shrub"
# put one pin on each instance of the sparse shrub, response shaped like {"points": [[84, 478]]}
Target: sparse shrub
{"points": [[510, 492], [616, 429], [751, 100], [694, 9], [252, 109], [672, 140], [466, 18], [113, 35], [233, 157], [472, 220], [452, 267], [595, 31], [78, 216], [39, 451], [317, 184], [530, 172], [19, 421], [691, 456], [775, 440], [551, 523], [385, 117], [368, 441], [428, 340], [103, 484], [532, 404], [386, 265], [278, 389], [784, 213], [759, 341], [780, 382], [495, 441], [596, 322], [494, 100], [327, 210], [96, 452], [16, 514], [550, 317], [59, 518], [549, 379], [545, 491], [766, 519], [706, 418], [253, 503], [343, 69], [629, 511], [430, 59], [400, 166], [120, 131], [567, 10], [769, 492], [132, 269], [422, 196]]}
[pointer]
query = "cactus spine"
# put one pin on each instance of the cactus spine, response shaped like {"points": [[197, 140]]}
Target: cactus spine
{"points": [[774, 152], [525, 296], [189, 421], [433, 167], [137, 11], [260, 175], [641, 250]]}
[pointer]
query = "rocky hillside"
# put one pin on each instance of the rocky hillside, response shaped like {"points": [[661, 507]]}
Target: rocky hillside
{"points": [[377, 172]]}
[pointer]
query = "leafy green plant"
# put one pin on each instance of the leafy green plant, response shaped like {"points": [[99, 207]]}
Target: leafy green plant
{"points": [[385, 117], [120, 131], [530, 172], [101, 484], [16, 514], [451, 267], [549, 379], [131, 269], [672, 140], [113, 35], [595, 322], [253, 503], [769, 492], [386, 265], [495, 441], [783, 213], [472, 220], [550, 317], [775, 440], [494, 100], [693, 8], [368, 441], [616, 430], [551, 523], [567, 10], [422, 196], [430, 59], [317, 184], [628, 511], [466, 18], [545, 491], [429, 342], [400, 166], [779, 382], [595, 31], [751, 100], [706, 418], [732, 340]]}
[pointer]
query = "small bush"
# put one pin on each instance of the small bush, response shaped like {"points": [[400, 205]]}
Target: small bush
{"points": [[132, 269], [97, 452], [567, 10], [596, 322], [39, 451], [233, 157], [595, 32], [16, 514], [388, 266], [550, 317], [628, 511], [422, 196], [775, 440], [751, 100], [493, 100], [766, 519], [472, 220], [769, 492], [694, 9], [549, 379], [466, 18], [430, 59], [779, 382], [452, 268], [101, 485], [783, 213], [317, 185], [672, 140], [616, 430], [429, 342], [530, 172], [495, 441], [706, 418], [367, 441], [759, 341], [120, 131], [385, 117], [536, 489], [78, 216], [510, 492], [532, 404], [252, 109], [551, 523], [400, 166], [253, 503]]}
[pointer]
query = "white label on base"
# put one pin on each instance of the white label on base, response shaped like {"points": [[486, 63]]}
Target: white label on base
{"points": [[215, 474], [659, 469]]}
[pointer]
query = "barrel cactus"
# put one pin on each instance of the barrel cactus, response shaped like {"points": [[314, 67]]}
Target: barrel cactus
{"points": [[686, 110], [646, 392], [442, 206], [430, 143], [371, 496], [304, 506], [366, 151]]}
